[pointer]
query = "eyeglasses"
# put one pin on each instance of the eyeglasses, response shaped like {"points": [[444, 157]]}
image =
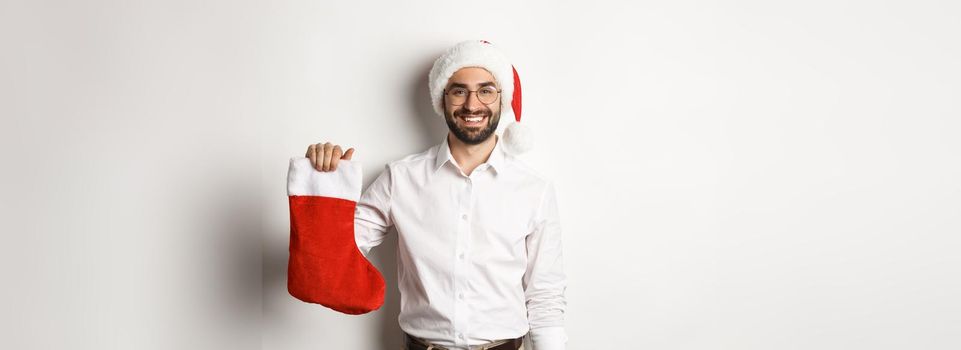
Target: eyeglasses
{"points": [[458, 95]]}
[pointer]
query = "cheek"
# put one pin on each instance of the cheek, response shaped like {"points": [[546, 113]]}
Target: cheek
{"points": [[449, 108]]}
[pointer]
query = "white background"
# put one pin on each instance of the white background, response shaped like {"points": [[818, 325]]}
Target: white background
{"points": [[731, 175]]}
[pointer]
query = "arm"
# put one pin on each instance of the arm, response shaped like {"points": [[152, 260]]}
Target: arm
{"points": [[544, 280], [372, 218]]}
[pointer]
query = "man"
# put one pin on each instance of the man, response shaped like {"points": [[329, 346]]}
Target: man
{"points": [[479, 246]]}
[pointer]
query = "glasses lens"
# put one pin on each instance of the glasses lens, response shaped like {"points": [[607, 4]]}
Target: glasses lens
{"points": [[487, 95], [457, 96]]}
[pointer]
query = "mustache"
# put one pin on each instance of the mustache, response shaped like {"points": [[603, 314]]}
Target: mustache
{"points": [[463, 112]]}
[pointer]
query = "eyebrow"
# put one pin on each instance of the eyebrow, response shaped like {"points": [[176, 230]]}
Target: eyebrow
{"points": [[486, 83]]}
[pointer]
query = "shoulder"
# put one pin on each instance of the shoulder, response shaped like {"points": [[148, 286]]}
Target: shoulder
{"points": [[400, 168], [530, 182], [412, 160], [535, 186], [527, 172]]}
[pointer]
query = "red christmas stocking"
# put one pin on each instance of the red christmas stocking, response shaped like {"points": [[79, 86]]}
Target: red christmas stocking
{"points": [[325, 265]]}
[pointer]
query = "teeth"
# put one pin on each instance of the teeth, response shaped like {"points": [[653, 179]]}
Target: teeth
{"points": [[475, 119]]}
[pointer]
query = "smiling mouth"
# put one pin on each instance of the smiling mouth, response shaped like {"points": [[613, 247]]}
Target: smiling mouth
{"points": [[473, 121]]}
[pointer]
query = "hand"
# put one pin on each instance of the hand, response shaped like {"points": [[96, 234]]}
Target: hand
{"points": [[324, 156]]}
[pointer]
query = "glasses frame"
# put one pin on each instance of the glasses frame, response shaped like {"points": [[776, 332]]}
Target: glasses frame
{"points": [[447, 94]]}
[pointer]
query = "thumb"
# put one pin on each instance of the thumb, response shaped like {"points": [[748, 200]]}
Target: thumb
{"points": [[350, 153]]}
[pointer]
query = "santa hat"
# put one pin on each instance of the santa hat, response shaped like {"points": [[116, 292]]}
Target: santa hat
{"points": [[483, 54]]}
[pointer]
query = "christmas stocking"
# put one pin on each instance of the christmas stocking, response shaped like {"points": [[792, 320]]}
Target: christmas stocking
{"points": [[325, 265]]}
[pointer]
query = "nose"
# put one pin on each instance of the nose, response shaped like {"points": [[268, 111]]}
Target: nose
{"points": [[473, 103]]}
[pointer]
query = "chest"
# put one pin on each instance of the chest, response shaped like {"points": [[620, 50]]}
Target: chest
{"points": [[481, 211]]}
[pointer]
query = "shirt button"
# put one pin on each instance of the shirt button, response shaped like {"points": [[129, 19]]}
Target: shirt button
{"points": [[460, 335], [462, 256], [463, 216], [461, 296]]}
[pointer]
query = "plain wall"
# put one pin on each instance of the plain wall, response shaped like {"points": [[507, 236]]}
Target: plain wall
{"points": [[731, 175]]}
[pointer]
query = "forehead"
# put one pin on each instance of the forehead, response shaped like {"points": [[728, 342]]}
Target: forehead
{"points": [[471, 76]]}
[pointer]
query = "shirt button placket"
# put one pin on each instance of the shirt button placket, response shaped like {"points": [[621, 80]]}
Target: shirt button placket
{"points": [[460, 266]]}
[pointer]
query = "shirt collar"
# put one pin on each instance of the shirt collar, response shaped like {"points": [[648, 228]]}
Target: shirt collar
{"points": [[496, 159]]}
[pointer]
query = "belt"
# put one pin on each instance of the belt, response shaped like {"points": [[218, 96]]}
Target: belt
{"points": [[415, 343]]}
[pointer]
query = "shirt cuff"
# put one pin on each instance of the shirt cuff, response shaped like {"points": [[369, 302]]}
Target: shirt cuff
{"points": [[549, 338]]}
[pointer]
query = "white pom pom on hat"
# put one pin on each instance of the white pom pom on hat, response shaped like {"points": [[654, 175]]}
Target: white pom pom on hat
{"points": [[483, 54]]}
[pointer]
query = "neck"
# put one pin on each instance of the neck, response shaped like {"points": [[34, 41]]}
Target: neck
{"points": [[470, 156]]}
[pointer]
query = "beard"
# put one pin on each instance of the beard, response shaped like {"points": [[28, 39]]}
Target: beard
{"points": [[472, 135]]}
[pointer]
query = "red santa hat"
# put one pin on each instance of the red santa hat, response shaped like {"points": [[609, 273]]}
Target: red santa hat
{"points": [[483, 54]]}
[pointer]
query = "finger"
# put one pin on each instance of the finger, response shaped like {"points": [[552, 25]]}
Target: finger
{"points": [[350, 153], [328, 153], [312, 154], [335, 157], [319, 157]]}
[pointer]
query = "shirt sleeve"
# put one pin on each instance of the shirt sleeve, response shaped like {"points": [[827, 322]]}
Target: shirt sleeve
{"points": [[544, 280], [372, 217]]}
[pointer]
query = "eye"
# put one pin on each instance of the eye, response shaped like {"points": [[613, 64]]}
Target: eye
{"points": [[488, 91], [458, 92]]}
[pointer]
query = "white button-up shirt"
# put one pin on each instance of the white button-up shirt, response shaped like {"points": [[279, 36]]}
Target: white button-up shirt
{"points": [[479, 256]]}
